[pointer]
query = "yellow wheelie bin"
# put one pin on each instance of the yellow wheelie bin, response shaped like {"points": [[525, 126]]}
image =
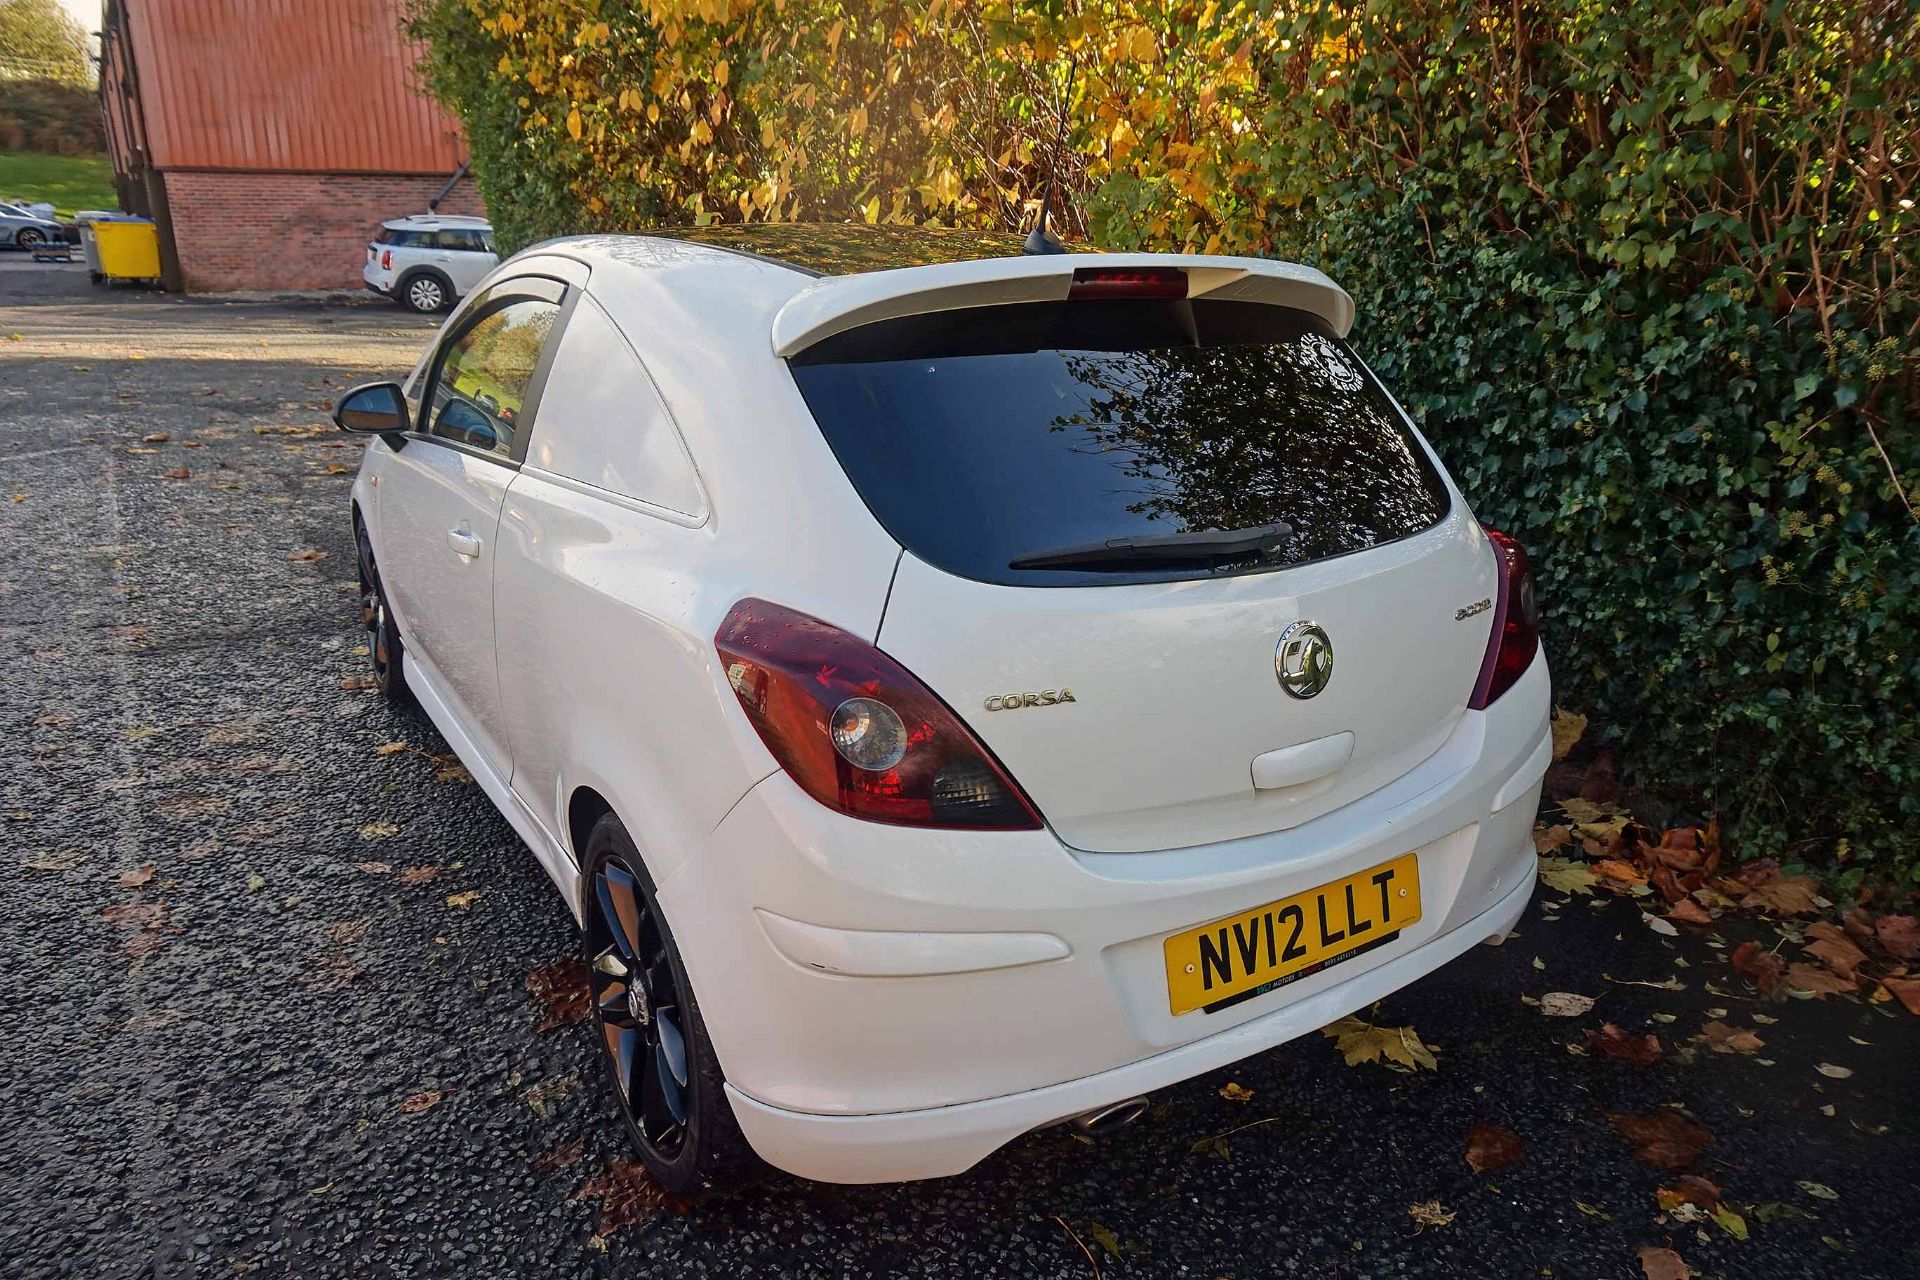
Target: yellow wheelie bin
{"points": [[129, 249]]}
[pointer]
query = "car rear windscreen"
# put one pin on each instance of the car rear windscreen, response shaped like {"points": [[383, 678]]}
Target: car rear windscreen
{"points": [[988, 436]]}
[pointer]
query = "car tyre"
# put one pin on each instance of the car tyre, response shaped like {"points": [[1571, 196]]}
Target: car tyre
{"points": [[384, 647], [666, 1077], [30, 237], [425, 292]]}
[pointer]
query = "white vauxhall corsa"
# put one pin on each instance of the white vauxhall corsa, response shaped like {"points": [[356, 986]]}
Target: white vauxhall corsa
{"points": [[956, 692]]}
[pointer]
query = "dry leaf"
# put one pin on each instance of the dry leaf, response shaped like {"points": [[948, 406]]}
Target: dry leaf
{"points": [[1763, 967], [1565, 1004], [1610, 1041], [156, 437], [1567, 728], [558, 1158], [425, 1100], [309, 553], [1722, 1038], [464, 900], [562, 992], [1687, 911], [1665, 1139], [345, 933], [1567, 875], [1548, 839], [1430, 1213], [390, 748], [135, 878], [1787, 895], [1835, 949], [1490, 1147], [1821, 981], [1236, 1093], [138, 915], [378, 830], [1832, 1072], [1900, 935], [1662, 1264], [1400, 1047], [177, 473], [627, 1195], [374, 868], [1689, 1189], [1906, 991], [419, 875]]}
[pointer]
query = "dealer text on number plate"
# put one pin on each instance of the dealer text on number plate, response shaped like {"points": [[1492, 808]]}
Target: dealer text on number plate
{"points": [[1245, 954]]}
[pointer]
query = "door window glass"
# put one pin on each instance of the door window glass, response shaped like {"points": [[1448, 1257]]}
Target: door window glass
{"points": [[479, 397]]}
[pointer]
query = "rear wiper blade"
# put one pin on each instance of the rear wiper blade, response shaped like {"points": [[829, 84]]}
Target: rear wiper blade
{"points": [[1150, 548]]}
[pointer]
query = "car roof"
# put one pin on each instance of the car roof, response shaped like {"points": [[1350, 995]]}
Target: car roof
{"points": [[439, 220], [845, 248]]}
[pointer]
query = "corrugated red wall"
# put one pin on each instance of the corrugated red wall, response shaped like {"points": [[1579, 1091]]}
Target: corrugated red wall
{"points": [[289, 85]]}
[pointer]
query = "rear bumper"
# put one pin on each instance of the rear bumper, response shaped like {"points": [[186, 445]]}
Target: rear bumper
{"points": [[940, 1141], [377, 280], [891, 1004]]}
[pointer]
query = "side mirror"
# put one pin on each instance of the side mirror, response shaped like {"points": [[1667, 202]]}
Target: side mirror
{"points": [[375, 408]]}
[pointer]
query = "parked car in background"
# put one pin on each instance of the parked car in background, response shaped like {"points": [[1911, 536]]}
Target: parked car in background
{"points": [[24, 229], [958, 698], [427, 262]]}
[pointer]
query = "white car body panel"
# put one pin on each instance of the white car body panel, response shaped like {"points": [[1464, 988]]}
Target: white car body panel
{"points": [[892, 1002]]}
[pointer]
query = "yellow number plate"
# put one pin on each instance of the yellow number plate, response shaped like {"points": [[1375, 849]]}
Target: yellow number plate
{"points": [[1256, 950]]}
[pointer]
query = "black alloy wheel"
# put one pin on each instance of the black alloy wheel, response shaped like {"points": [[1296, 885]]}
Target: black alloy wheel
{"points": [[376, 617], [663, 1068]]}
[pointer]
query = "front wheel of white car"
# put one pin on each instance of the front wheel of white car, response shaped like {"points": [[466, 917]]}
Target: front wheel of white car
{"points": [[665, 1075]]}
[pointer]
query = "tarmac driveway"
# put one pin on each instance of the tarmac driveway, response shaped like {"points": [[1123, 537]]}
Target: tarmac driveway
{"points": [[304, 1042]]}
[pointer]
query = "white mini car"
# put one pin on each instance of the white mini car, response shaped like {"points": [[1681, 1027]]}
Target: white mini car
{"points": [[427, 262], [955, 697]]}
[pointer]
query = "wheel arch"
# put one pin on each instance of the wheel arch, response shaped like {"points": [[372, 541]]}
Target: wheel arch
{"points": [[414, 273]]}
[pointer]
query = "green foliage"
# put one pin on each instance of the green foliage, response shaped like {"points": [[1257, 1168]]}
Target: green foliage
{"points": [[65, 182], [1644, 272], [39, 40]]}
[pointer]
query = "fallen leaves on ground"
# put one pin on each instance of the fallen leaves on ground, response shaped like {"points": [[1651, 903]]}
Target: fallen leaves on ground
{"points": [[627, 1195], [1832, 1072], [425, 1100], [1819, 980], [1833, 948], [378, 830], [1819, 1190], [1662, 1264], [1612, 1042], [463, 900], [1566, 875], [559, 1158], [1490, 1147], [390, 748], [562, 993], [549, 1091], [1906, 991], [1785, 895], [306, 554], [1664, 1139], [1567, 728], [135, 878], [66, 860], [1691, 1189], [374, 868], [345, 933], [1900, 935], [1429, 1213], [1236, 1093], [1398, 1048], [177, 473], [1760, 966], [419, 875], [1722, 1038], [137, 915], [359, 684], [1565, 1004]]}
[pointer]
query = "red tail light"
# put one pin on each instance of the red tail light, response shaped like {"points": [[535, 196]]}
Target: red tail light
{"points": [[1128, 282], [386, 260], [857, 731], [1516, 624]]}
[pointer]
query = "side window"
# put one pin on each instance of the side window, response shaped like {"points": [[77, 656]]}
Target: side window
{"points": [[603, 423], [480, 389]]}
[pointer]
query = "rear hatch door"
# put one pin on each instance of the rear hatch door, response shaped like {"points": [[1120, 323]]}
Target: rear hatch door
{"points": [[1181, 564]]}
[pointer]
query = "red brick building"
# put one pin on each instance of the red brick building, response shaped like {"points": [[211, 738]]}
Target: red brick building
{"points": [[268, 138]]}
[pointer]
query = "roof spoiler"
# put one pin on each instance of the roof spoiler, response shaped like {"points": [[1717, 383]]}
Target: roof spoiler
{"points": [[835, 304]]}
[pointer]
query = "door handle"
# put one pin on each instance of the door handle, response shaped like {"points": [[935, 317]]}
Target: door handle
{"points": [[463, 542]]}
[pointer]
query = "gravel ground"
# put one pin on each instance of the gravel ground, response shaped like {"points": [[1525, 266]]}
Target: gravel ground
{"points": [[232, 1068]]}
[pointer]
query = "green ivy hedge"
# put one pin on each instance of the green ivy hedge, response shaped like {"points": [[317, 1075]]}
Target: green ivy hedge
{"points": [[1646, 273]]}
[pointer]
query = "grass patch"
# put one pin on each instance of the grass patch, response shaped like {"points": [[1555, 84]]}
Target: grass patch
{"points": [[66, 182]]}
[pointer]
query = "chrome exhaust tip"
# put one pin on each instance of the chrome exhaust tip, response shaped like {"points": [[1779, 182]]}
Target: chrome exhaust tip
{"points": [[1110, 1118]]}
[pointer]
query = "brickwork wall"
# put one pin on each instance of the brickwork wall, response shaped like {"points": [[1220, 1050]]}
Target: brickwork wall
{"points": [[245, 231]]}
